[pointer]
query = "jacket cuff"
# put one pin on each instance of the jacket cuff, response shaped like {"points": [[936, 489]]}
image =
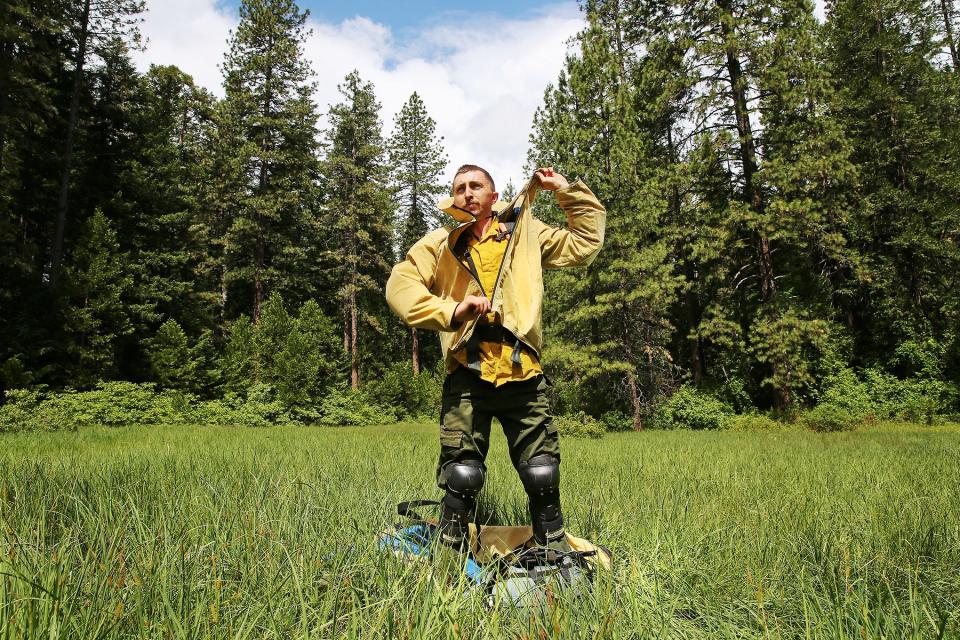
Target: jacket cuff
{"points": [[446, 312]]}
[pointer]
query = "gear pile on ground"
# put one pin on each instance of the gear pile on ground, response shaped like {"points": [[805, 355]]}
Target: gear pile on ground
{"points": [[502, 562]]}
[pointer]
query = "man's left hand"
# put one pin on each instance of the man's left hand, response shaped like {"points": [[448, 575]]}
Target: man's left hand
{"points": [[550, 180]]}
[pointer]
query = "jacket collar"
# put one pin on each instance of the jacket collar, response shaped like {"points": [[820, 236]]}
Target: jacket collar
{"points": [[463, 216]]}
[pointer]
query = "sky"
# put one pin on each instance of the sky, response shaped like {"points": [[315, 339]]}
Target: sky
{"points": [[481, 75], [481, 72]]}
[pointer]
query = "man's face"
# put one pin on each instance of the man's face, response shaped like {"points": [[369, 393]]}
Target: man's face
{"points": [[472, 192]]}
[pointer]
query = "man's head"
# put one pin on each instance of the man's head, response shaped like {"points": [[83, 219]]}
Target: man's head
{"points": [[474, 191]]}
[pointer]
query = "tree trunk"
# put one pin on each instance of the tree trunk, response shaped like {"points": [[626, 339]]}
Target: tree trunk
{"points": [[56, 258], [257, 279], [354, 355], [415, 352], [948, 25], [748, 152], [635, 402], [259, 251], [693, 303], [223, 294], [752, 193], [6, 62]]}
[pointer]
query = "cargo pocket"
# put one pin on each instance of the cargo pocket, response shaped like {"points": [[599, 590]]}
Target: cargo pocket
{"points": [[451, 438], [550, 427]]}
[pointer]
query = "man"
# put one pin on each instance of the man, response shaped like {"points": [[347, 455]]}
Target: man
{"points": [[480, 284]]}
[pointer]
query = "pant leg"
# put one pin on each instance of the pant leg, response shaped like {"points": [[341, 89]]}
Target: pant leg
{"points": [[535, 451], [524, 411], [464, 420]]}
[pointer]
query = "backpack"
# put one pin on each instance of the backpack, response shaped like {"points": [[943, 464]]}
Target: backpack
{"points": [[503, 563]]}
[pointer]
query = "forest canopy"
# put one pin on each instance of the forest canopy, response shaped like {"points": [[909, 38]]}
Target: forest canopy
{"points": [[783, 202]]}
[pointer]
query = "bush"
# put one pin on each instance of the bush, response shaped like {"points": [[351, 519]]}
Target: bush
{"points": [[616, 421], [881, 395], [411, 396], [20, 409], [259, 408], [689, 408], [111, 404], [122, 403], [829, 417], [344, 407], [578, 425], [847, 391], [754, 422]]}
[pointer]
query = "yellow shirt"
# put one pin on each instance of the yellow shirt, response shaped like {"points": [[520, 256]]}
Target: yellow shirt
{"points": [[496, 358]]}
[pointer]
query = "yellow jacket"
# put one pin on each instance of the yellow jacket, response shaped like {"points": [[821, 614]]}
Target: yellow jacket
{"points": [[426, 287]]}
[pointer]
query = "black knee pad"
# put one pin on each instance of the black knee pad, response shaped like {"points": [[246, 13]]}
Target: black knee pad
{"points": [[540, 475], [464, 481], [541, 480], [465, 478]]}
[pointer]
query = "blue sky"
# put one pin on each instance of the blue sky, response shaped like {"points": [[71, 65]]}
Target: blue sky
{"points": [[403, 16], [480, 72], [480, 69]]}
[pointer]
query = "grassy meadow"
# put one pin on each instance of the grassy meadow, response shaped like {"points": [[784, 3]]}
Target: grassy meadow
{"points": [[196, 532]]}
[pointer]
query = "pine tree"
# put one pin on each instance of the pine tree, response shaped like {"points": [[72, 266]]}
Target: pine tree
{"points": [[902, 110], [161, 196], [733, 156], [608, 324], [950, 14], [417, 160], [267, 122], [358, 228], [94, 27], [96, 316], [31, 53]]}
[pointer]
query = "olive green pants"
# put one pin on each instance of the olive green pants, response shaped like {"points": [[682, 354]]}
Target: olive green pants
{"points": [[469, 405]]}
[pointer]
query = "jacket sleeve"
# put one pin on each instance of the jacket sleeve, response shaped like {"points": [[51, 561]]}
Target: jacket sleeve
{"points": [[579, 243], [409, 287]]}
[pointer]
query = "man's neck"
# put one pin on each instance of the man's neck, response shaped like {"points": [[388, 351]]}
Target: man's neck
{"points": [[481, 226]]}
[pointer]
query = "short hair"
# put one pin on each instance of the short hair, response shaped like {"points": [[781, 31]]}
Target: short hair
{"points": [[472, 167]]}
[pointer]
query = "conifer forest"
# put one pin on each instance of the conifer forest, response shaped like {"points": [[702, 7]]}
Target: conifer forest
{"points": [[783, 230]]}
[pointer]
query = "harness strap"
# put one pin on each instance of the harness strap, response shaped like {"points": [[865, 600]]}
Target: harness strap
{"points": [[491, 333], [406, 509], [509, 226]]}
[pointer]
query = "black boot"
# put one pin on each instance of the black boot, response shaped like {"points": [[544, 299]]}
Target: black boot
{"points": [[463, 482]]}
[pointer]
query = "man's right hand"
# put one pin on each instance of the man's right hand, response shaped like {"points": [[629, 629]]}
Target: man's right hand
{"points": [[470, 308]]}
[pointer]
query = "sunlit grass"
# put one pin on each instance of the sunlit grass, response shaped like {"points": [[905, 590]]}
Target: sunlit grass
{"points": [[191, 532]]}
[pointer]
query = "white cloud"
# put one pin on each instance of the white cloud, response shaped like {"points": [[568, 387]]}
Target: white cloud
{"points": [[189, 34], [820, 10], [481, 89]]}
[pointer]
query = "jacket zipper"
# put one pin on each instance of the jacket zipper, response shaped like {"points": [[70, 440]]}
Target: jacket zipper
{"points": [[496, 283], [476, 277]]}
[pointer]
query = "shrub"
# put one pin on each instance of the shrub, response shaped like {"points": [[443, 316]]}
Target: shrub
{"points": [[20, 410], [689, 408], [754, 422], [828, 417], [847, 391], [258, 409], [411, 396], [732, 393], [578, 425], [616, 421], [880, 395], [111, 404], [344, 407]]}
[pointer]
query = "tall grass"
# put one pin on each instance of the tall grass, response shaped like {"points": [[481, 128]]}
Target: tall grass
{"points": [[196, 532]]}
